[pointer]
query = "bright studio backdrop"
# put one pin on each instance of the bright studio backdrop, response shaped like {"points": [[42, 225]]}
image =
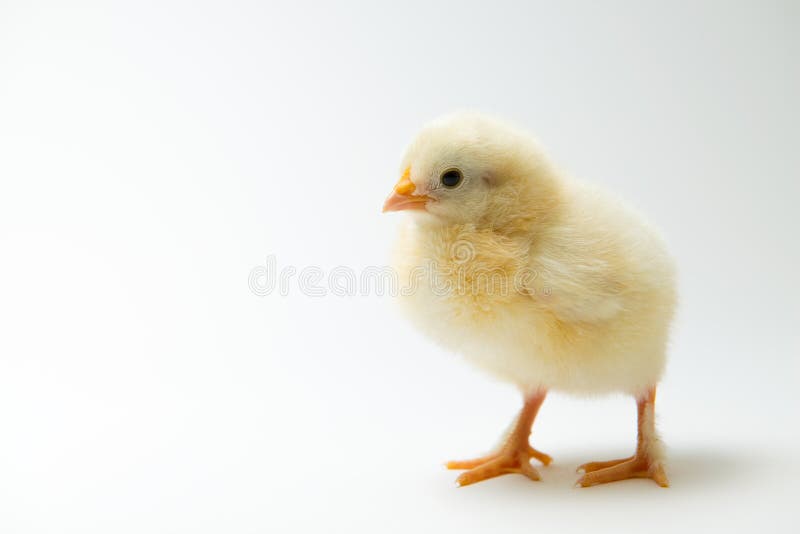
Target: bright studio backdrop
{"points": [[153, 154]]}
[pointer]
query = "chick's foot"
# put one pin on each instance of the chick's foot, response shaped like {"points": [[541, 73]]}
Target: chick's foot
{"points": [[510, 459], [613, 470], [646, 463], [515, 454]]}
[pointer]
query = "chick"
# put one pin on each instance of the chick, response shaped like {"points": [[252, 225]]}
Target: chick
{"points": [[544, 282]]}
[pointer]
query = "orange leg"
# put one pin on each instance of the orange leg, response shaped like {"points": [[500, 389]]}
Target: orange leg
{"points": [[514, 456], [646, 463]]}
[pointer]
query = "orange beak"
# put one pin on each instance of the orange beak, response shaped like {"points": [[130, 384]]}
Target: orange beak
{"points": [[403, 197]]}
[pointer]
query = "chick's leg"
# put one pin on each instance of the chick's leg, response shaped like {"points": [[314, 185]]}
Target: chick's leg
{"points": [[646, 463], [514, 455]]}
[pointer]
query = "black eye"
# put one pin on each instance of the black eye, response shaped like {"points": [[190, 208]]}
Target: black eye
{"points": [[451, 178]]}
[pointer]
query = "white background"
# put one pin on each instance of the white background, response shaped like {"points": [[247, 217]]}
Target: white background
{"points": [[152, 154]]}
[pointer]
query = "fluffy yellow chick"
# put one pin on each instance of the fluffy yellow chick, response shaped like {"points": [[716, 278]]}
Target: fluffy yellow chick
{"points": [[542, 281]]}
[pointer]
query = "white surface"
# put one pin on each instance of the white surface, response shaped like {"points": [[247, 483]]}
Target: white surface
{"points": [[151, 155]]}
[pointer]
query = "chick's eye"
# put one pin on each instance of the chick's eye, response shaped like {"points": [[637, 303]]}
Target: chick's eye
{"points": [[451, 178]]}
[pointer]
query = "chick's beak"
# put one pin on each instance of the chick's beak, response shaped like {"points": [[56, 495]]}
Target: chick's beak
{"points": [[403, 197]]}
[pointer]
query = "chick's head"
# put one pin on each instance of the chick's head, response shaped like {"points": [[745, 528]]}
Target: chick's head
{"points": [[472, 169]]}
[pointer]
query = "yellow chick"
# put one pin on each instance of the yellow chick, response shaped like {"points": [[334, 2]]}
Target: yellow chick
{"points": [[542, 281]]}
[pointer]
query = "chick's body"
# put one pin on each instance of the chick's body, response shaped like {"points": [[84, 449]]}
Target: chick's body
{"points": [[580, 303], [543, 281]]}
